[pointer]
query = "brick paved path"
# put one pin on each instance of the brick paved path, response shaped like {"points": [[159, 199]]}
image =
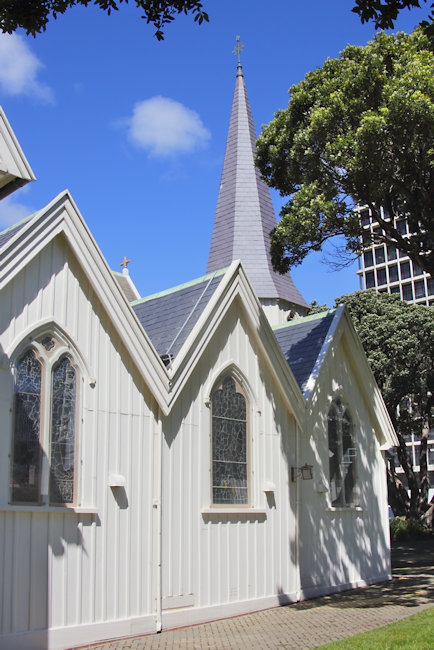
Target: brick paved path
{"points": [[314, 622]]}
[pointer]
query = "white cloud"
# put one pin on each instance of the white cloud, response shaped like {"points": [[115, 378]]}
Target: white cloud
{"points": [[165, 127], [19, 69], [12, 212]]}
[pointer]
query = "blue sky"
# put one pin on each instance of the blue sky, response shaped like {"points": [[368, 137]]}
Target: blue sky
{"points": [[93, 98]]}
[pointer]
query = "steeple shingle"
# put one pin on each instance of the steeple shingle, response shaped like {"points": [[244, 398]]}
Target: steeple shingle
{"points": [[245, 215]]}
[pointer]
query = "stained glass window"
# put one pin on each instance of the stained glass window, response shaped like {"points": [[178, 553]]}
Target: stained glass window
{"points": [[26, 446], [229, 444], [348, 458], [334, 464], [44, 426], [342, 455], [62, 432]]}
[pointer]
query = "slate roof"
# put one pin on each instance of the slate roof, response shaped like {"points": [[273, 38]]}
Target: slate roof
{"points": [[303, 343], [245, 214], [7, 234], [168, 317]]}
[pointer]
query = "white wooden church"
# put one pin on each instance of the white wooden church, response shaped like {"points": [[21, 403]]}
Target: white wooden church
{"points": [[194, 454]]}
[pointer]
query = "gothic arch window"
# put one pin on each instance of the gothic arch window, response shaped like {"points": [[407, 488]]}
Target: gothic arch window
{"points": [[229, 416], [45, 425], [26, 466], [62, 439], [342, 455]]}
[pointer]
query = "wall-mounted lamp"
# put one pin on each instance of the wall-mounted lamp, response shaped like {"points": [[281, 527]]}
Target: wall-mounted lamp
{"points": [[305, 472]]}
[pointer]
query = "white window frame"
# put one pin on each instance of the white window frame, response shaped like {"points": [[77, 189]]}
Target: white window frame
{"points": [[48, 360], [241, 390], [341, 408]]}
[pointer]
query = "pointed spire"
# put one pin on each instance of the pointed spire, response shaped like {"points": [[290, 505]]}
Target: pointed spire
{"points": [[245, 214]]}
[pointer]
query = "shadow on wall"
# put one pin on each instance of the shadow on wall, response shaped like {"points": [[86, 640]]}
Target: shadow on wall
{"points": [[285, 426], [336, 548], [31, 537], [412, 583], [341, 547]]}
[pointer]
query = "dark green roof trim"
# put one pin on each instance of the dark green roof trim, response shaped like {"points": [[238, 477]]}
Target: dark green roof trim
{"points": [[180, 287], [305, 319]]}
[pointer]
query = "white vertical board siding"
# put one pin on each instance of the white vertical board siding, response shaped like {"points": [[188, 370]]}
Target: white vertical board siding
{"points": [[213, 559], [342, 547], [65, 569], [74, 570]]}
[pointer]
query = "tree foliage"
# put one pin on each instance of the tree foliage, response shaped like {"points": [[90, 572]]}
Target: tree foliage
{"points": [[357, 131], [384, 12], [33, 15], [397, 339]]}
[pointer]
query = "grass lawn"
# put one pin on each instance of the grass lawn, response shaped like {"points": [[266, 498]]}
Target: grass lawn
{"points": [[413, 632]]}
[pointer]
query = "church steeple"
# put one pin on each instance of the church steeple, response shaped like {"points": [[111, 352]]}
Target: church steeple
{"points": [[245, 214]]}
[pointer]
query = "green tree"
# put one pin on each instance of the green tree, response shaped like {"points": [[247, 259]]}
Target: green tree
{"points": [[357, 131], [33, 15], [384, 12], [397, 339]]}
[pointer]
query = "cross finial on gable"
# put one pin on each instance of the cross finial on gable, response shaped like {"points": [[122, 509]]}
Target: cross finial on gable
{"points": [[238, 49], [125, 262]]}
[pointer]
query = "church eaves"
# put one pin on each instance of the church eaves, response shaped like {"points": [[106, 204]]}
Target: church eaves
{"points": [[245, 214]]}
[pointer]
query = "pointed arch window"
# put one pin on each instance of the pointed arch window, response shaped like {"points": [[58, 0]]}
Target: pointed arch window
{"points": [[45, 423], [229, 444], [342, 456], [62, 443], [26, 464]]}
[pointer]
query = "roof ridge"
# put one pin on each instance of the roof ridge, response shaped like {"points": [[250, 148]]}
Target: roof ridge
{"points": [[179, 287], [305, 319]]}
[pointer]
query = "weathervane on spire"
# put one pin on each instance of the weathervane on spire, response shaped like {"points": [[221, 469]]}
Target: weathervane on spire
{"points": [[238, 49]]}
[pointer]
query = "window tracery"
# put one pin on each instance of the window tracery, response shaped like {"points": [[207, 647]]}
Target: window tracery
{"points": [[45, 423], [342, 455], [62, 447], [26, 447], [229, 444]]}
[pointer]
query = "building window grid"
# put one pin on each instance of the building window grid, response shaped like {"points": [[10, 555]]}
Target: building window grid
{"points": [[393, 273], [392, 258], [413, 446]]}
